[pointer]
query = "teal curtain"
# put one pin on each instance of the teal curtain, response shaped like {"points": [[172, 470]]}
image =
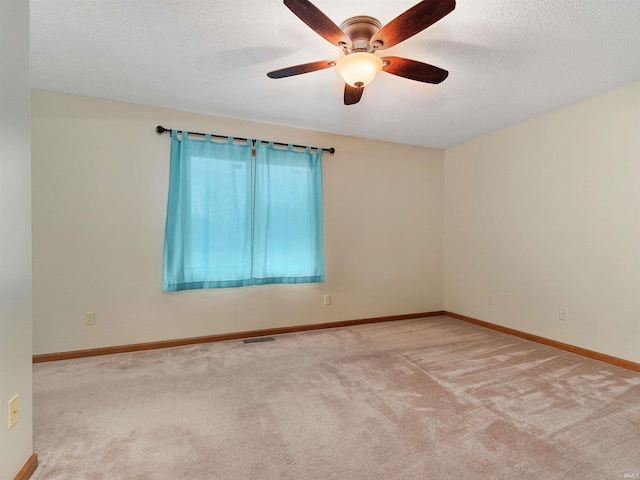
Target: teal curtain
{"points": [[227, 227], [287, 238], [208, 230]]}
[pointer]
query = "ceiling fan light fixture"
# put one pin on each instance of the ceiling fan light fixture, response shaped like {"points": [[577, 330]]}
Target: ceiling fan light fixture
{"points": [[359, 38], [359, 69]]}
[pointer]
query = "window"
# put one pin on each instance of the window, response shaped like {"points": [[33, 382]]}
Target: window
{"points": [[233, 223]]}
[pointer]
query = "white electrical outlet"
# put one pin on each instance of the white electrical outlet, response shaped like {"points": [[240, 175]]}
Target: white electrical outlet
{"points": [[490, 300], [563, 314], [90, 318], [327, 299], [13, 411]]}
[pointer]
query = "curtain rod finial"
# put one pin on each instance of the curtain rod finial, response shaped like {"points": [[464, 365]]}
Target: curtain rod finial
{"points": [[332, 150], [160, 129]]}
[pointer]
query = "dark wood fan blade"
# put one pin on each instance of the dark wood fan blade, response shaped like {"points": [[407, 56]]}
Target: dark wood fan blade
{"points": [[413, 70], [352, 95], [413, 21], [318, 21], [299, 69]]}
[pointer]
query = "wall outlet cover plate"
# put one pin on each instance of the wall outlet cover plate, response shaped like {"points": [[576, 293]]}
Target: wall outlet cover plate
{"points": [[13, 411]]}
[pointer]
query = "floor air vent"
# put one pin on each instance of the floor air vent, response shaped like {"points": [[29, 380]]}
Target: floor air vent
{"points": [[258, 340]]}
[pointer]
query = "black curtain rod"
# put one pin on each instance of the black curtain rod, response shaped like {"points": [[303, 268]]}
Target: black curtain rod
{"points": [[161, 130]]}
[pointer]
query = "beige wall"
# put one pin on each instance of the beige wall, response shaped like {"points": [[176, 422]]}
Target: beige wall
{"points": [[16, 445], [546, 214], [540, 215], [100, 175]]}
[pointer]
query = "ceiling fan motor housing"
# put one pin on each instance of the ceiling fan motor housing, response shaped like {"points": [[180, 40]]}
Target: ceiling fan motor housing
{"points": [[360, 29]]}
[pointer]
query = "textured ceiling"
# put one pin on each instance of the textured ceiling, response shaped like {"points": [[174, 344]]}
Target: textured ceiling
{"points": [[508, 60]]}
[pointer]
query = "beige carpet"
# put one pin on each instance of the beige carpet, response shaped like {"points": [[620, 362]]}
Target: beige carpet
{"points": [[421, 399]]}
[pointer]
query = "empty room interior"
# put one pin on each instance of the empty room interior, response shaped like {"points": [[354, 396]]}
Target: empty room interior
{"points": [[473, 306]]}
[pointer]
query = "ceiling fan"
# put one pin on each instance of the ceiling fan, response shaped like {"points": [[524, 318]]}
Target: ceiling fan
{"points": [[360, 37]]}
